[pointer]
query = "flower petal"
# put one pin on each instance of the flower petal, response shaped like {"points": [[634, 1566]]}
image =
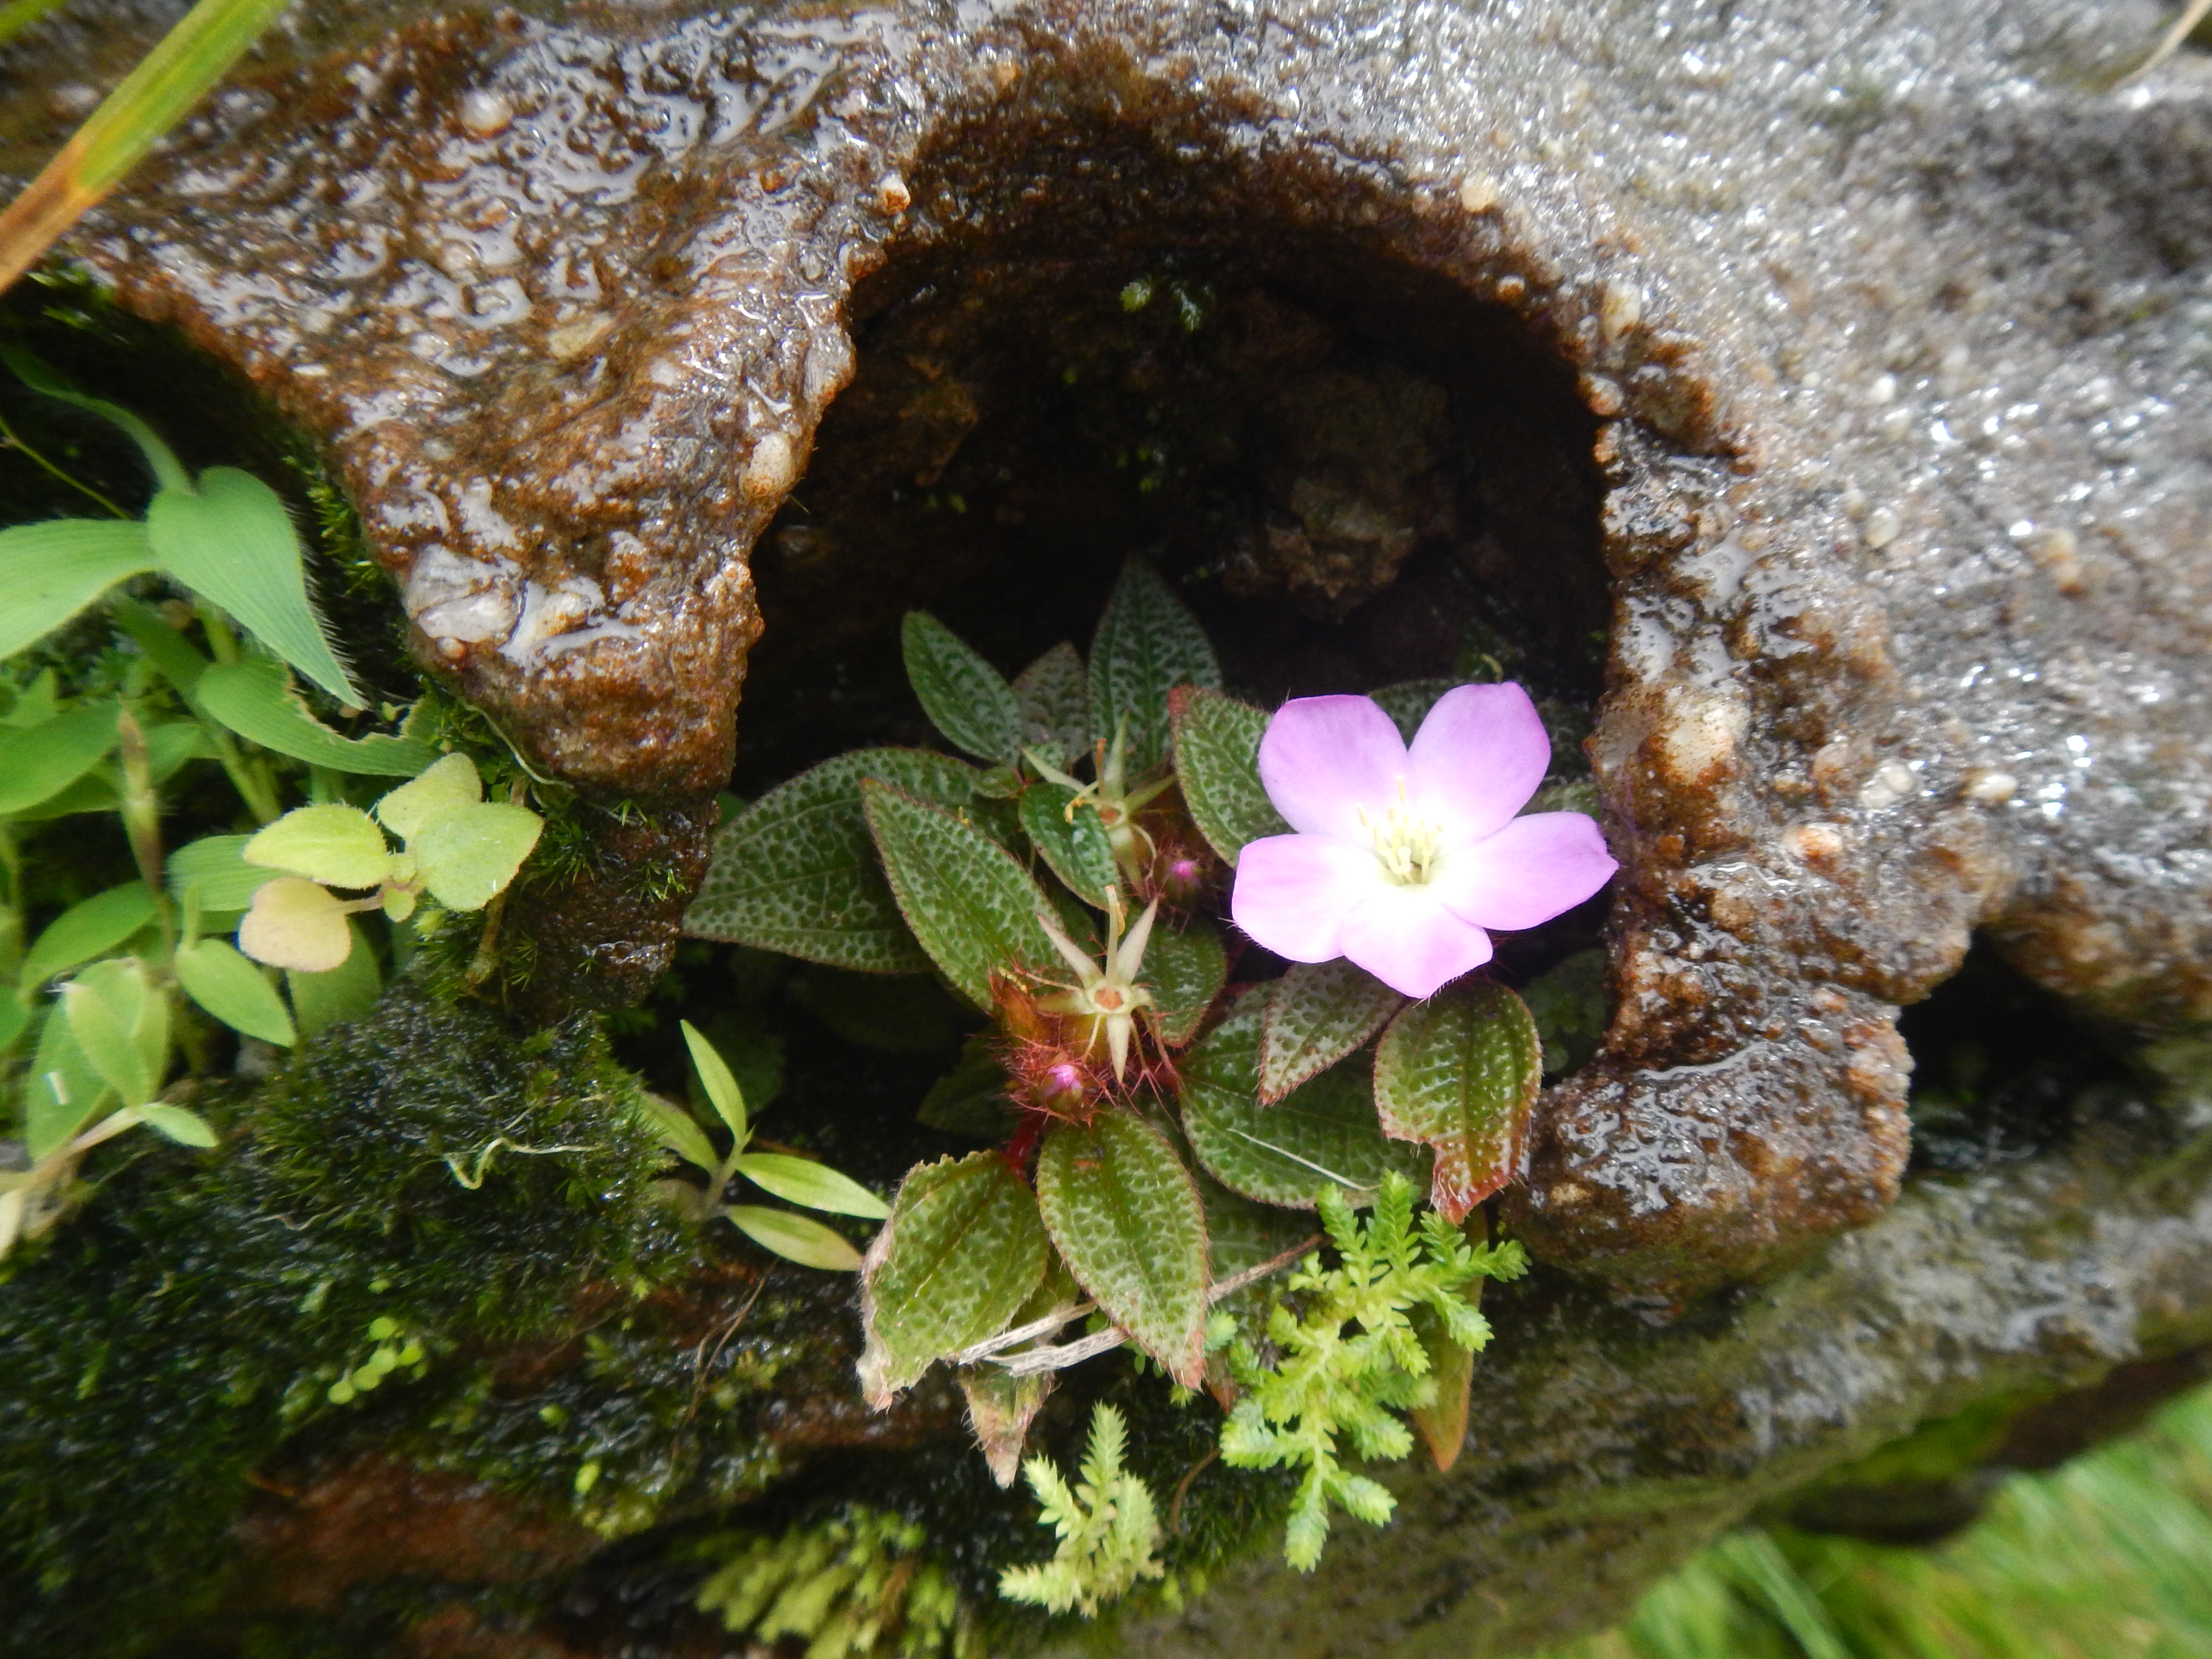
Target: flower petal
{"points": [[1323, 758], [1477, 758], [1293, 892], [1407, 938], [1532, 870]]}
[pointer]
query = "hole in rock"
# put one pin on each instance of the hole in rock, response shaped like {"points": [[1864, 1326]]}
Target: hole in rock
{"points": [[2000, 1066], [1355, 473]]}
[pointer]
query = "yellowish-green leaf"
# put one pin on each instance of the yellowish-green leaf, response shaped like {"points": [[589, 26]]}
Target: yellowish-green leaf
{"points": [[1126, 1217], [122, 1024], [255, 700], [448, 785], [674, 1128], [85, 930], [230, 541], [185, 1128], [51, 570], [723, 1093], [295, 924], [468, 854], [339, 845], [1460, 1072], [215, 975], [817, 1186], [41, 761], [64, 1089], [961, 1253], [795, 1237]]}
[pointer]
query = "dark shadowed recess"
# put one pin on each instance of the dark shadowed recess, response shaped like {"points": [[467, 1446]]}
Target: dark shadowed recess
{"points": [[1355, 472]]}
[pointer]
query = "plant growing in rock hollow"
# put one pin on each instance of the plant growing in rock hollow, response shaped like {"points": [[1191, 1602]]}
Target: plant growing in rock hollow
{"points": [[108, 996], [1070, 887], [1107, 1525]]}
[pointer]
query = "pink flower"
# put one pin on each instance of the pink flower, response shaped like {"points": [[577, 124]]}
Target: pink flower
{"points": [[1405, 858]]}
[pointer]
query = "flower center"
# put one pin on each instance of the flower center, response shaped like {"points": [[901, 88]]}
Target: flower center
{"points": [[1405, 842]]}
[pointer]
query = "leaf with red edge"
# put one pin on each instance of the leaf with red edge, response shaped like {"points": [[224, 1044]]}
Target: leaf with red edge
{"points": [[1460, 1071]]}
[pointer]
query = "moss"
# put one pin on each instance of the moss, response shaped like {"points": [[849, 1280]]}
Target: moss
{"points": [[162, 1344]]}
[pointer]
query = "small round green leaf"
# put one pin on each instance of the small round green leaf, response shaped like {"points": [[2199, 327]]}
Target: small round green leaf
{"points": [[295, 924], [468, 854], [449, 784], [339, 845]]}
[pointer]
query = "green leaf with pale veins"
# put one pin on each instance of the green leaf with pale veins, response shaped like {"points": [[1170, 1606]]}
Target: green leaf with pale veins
{"points": [[1147, 644], [255, 700], [231, 542], [215, 975], [1460, 1072], [1317, 1013], [797, 871], [39, 762], [1323, 1133], [1184, 969], [85, 930], [1073, 843], [1053, 696], [961, 1253], [965, 698], [1217, 746], [51, 570], [1125, 1215], [795, 1237], [968, 899]]}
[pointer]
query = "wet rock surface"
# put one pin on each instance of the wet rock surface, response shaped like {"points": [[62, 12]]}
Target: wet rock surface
{"points": [[1845, 367], [1889, 330]]}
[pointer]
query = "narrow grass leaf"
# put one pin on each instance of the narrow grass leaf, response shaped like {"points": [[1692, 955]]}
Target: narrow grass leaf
{"points": [[676, 1129], [130, 120], [967, 900], [51, 570], [1147, 644], [231, 542], [1217, 748], [215, 975], [88, 928], [253, 700], [1460, 1072], [815, 1186], [961, 1253], [723, 1093], [1317, 1013], [795, 1238], [1125, 1215], [797, 871], [965, 698], [186, 1128]]}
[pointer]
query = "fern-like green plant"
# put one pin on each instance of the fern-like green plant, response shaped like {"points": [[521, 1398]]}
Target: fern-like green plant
{"points": [[1108, 1527], [1347, 1359], [857, 1586]]}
